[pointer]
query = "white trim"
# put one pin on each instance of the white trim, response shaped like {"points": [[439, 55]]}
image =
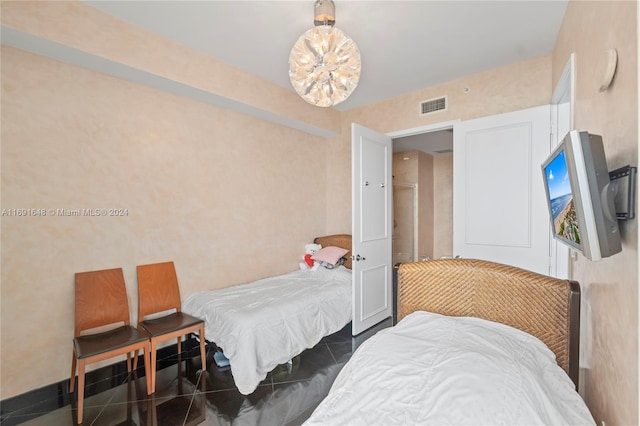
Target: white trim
{"points": [[567, 81], [564, 92], [423, 129]]}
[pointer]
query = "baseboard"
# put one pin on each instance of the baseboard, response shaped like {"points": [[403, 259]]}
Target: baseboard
{"points": [[56, 395]]}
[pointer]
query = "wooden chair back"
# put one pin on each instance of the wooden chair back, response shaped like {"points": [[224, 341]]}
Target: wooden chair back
{"points": [[100, 299], [158, 289]]}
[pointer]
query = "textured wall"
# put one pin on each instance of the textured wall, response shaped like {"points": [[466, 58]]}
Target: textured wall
{"points": [[426, 204], [228, 197], [443, 205], [74, 24], [418, 170], [405, 178], [212, 189], [610, 286]]}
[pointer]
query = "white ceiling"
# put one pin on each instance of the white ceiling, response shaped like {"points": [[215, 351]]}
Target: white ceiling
{"points": [[434, 143], [405, 45]]}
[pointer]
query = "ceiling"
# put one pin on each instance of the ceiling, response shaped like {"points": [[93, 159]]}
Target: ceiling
{"points": [[434, 143], [404, 45]]}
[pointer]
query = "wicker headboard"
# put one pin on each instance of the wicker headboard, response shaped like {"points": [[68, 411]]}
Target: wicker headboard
{"points": [[546, 307], [338, 240]]}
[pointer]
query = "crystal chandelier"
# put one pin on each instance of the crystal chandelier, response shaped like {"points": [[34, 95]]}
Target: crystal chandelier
{"points": [[324, 64]]}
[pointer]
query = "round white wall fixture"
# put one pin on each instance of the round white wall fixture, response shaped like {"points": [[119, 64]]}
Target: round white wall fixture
{"points": [[608, 64]]}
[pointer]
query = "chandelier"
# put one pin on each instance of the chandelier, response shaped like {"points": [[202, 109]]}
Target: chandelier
{"points": [[324, 64]]}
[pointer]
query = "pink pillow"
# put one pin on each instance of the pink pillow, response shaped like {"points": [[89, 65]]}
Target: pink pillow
{"points": [[330, 254]]}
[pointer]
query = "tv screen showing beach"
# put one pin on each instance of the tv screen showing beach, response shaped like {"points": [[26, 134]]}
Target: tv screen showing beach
{"points": [[563, 213]]}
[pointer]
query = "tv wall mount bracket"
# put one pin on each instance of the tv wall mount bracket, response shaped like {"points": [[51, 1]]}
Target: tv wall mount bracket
{"points": [[625, 209]]}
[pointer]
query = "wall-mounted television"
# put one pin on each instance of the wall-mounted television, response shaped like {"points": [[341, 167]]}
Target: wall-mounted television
{"points": [[580, 196]]}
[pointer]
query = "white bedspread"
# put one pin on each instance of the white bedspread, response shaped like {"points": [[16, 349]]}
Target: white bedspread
{"points": [[437, 370], [268, 322]]}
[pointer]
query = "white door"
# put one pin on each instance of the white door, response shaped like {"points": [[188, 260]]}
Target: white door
{"points": [[371, 163], [499, 205]]}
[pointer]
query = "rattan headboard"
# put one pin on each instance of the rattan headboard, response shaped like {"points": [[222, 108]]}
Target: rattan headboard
{"points": [[546, 307], [338, 240]]}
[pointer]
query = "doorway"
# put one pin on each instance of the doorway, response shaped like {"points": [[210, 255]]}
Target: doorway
{"points": [[423, 194], [476, 229]]}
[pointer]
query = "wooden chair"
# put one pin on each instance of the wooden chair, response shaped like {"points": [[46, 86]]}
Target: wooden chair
{"points": [[101, 301], [158, 292]]}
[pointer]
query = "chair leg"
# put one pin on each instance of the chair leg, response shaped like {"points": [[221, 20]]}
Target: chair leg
{"points": [[152, 367], [72, 381], [135, 360], [179, 344], [129, 362], [80, 389], [203, 354], [152, 411], [147, 370]]}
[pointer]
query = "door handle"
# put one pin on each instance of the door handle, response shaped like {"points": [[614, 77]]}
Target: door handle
{"points": [[357, 258]]}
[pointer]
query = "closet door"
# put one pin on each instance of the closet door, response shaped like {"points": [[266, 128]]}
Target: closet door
{"points": [[499, 206]]}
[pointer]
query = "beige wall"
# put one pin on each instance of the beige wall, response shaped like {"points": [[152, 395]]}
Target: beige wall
{"points": [[442, 205], [425, 205], [610, 286], [228, 197], [405, 167], [73, 138], [74, 23], [405, 181], [212, 189], [417, 168]]}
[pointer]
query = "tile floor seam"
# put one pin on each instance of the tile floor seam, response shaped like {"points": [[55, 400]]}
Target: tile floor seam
{"points": [[331, 352], [193, 396], [127, 379]]}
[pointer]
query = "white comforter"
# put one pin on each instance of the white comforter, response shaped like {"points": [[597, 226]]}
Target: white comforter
{"points": [[268, 322], [437, 370]]}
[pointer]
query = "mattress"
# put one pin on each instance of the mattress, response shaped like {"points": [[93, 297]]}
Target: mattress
{"points": [[267, 322], [432, 369]]}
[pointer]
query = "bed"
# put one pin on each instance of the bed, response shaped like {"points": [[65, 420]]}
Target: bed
{"points": [[476, 343], [265, 323]]}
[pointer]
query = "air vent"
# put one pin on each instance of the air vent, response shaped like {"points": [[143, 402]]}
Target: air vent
{"points": [[443, 151], [433, 105]]}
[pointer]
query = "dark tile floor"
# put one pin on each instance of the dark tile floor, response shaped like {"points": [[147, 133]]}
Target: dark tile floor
{"points": [[185, 396]]}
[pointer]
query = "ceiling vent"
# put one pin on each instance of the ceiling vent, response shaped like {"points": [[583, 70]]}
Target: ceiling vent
{"points": [[433, 105], [444, 151]]}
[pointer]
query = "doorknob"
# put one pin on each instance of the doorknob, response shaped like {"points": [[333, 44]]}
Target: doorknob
{"points": [[357, 258]]}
